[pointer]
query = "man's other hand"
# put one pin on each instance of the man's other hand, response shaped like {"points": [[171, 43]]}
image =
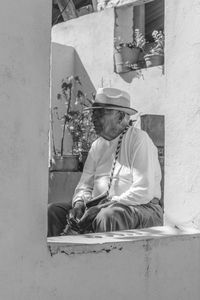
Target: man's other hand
{"points": [[92, 212], [88, 217], [77, 211]]}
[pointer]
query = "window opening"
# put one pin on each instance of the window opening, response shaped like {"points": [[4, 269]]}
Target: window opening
{"points": [[64, 10], [142, 44], [71, 177]]}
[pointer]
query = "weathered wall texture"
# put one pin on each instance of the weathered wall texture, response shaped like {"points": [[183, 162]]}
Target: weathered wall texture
{"points": [[166, 269], [154, 270]]}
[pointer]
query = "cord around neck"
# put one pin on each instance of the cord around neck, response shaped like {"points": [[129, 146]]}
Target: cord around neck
{"points": [[116, 157]]}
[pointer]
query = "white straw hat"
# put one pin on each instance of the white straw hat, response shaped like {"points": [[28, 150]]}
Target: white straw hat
{"points": [[111, 98]]}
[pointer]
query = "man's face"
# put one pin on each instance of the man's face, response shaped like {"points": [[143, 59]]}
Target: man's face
{"points": [[105, 121]]}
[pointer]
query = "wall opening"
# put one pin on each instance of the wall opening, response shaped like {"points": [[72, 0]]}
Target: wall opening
{"points": [[62, 181], [139, 36]]}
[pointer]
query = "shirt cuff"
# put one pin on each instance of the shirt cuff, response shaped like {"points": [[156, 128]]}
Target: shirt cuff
{"points": [[77, 200]]}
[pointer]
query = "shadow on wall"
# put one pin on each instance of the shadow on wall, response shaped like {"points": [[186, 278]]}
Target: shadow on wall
{"points": [[131, 75], [137, 74], [62, 66], [80, 71], [65, 63]]}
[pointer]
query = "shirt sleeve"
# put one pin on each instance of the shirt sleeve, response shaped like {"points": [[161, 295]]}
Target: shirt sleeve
{"points": [[144, 166], [84, 188]]}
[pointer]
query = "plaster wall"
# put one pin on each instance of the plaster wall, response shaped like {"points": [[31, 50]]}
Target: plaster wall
{"points": [[159, 269], [182, 110], [24, 123]]}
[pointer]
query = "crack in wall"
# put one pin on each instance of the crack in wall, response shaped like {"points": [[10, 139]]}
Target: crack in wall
{"points": [[72, 251]]}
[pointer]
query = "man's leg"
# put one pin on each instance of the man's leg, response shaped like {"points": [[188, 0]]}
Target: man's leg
{"points": [[115, 217], [118, 216], [57, 217]]}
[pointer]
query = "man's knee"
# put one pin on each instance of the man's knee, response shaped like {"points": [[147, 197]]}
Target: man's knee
{"points": [[105, 214], [57, 217], [51, 208], [106, 220], [58, 209]]}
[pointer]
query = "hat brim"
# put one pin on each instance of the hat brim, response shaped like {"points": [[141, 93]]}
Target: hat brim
{"points": [[129, 111]]}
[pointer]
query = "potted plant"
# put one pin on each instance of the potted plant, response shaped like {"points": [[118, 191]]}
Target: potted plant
{"points": [[75, 121], [155, 55], [126, 55]]}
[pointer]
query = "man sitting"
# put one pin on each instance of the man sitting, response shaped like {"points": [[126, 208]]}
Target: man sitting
{"points": [[122, 164]]}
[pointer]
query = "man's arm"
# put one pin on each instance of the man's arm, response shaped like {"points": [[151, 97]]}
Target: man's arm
{"points": [[146, 174], [83, 191]]}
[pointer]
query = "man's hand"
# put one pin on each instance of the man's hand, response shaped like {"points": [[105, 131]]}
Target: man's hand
{"points": [[92, 212], [88, 217], [105, 202], [77, 211]]}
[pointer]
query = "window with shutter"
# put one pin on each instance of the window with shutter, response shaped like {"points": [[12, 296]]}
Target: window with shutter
{"points": [[139, 20]]}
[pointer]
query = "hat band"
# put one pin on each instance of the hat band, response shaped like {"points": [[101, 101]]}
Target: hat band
{"points": [[114, 100], [104, 105]]}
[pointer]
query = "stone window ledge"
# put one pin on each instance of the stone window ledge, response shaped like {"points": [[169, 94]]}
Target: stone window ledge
{"points": [[107, 242]]}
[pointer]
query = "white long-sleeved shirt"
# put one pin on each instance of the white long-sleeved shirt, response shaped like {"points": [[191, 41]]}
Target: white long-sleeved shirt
{"points": [[137, 174]]}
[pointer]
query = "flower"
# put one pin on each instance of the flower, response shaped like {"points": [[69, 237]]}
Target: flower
{"points": [[158, 44], [74, 119], [138, 41]]}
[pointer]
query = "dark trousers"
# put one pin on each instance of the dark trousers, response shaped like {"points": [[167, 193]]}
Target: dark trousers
{"points": [[115, 217]]}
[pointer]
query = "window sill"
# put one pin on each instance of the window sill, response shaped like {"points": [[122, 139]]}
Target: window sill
{"points": [[107, 242]]}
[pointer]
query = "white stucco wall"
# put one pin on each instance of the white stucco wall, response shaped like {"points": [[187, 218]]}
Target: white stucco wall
{"points": [[182, 109], [24, 113], [159, 269]]}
